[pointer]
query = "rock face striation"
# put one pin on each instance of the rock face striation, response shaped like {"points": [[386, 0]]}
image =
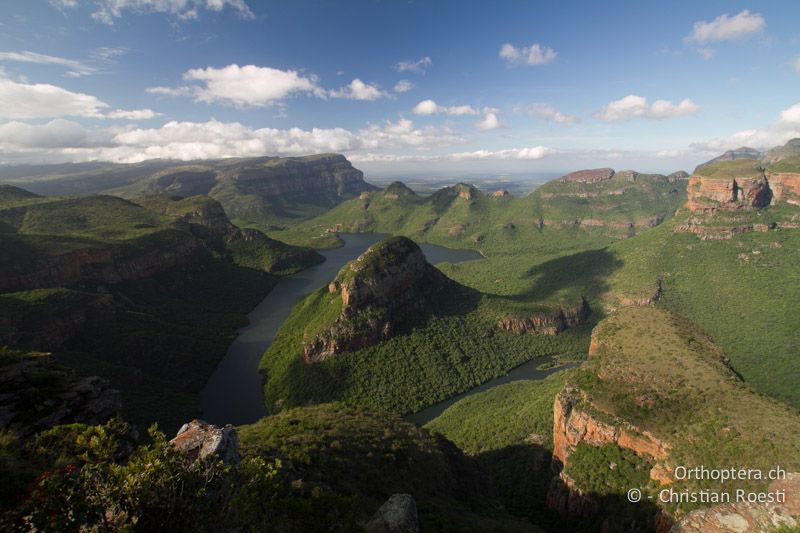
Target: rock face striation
{"points": [[550, 323], [200, 440], [380, 291]]}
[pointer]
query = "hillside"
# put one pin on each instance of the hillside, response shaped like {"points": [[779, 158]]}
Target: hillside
{"points": [[255, 192], [655, 394], [392, 332], [147, 298]]}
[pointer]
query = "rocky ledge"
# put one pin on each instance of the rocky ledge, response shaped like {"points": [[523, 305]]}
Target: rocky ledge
{"points": [[550, 323], [593, 175], [38, 393], [379, 291]]}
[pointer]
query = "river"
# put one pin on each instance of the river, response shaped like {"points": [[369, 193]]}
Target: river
{"points": [[233, 392]]}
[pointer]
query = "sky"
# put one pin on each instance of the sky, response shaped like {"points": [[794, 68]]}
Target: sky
{"points": [[402, 87]]}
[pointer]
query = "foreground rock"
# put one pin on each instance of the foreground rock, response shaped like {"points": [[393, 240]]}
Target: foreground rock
{"points": [[397, 515], [199, 440], [741, 517]]}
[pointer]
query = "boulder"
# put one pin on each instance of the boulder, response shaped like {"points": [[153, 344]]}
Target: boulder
{"points": [[199, 439], [397, 515]]}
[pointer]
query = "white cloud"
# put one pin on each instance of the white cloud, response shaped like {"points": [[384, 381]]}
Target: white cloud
{"points": [[430, 107], [358, 90], [706, 53], [548, 113], [534, 54], [109, 10], [727, 28], [75, 69], [535, 152], [247, 86], [41, 100], [133, 114], [403, 86], [796, 64], [61, 140], [490, 121], [786, 127], [419, 66], [633, 106]]}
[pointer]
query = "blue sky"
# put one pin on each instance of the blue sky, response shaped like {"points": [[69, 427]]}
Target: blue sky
{"points": [[399, 87]]}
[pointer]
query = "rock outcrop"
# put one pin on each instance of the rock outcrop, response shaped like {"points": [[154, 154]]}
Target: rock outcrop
{"points": [[550, 323], [200, 440], [745, 516], [707, 195], [38, 393], [397, 515], [594, 175], [379, 291]]}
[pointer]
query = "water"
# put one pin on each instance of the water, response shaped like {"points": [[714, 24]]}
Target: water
{"points": [[233, 393], [525, 371]]}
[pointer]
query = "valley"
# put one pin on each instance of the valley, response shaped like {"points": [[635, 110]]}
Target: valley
{"points": [[537, 338]]}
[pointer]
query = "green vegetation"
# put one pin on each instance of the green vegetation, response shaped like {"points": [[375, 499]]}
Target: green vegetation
{"points": [[607, 469], [371, 455], [665, 376], [788, 164], [451, 347], [509, 430], [740, 168]]}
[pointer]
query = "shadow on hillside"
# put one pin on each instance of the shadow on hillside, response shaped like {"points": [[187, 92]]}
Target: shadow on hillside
{"points": [[523, 474], [586, 273]]}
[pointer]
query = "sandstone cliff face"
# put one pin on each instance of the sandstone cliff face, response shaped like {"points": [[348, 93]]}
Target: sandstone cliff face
{"points": [[379, 291], [708, 195], [548, 323], [298, 175], [106, 265], [590, 175], [785, 187]]}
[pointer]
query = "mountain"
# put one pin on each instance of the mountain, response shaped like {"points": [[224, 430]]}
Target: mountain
{"points": [[656, 394], [775, 155], [734, 155], [257, 192], [611, 205], [145, 294], [392, 332]]}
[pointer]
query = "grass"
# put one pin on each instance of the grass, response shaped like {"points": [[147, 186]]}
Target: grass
{"points": [[789, 164], [664, 375], [739, 168], [371, 455]]}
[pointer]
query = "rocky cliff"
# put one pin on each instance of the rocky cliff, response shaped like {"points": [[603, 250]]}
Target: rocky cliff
{"points": [[589, 175], [380, 291], [548, 323], [658, 391]]}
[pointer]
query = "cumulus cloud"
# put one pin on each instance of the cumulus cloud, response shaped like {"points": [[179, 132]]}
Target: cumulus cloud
{"points": [[75, 69], [61, 140], [403, 86], [430, 107], [419, 66], [633, 106], [534, 54], [786, 127], [535, 152], [107, 11], [548, 113], [358, 90], [133, 114], [42, 100], [727, 28], [490, 121], [246, 86]]}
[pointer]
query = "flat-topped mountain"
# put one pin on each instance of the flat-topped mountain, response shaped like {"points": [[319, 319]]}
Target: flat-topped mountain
{"points": [[656, 394], [743, 152], [777, 154], [254, 191]]}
